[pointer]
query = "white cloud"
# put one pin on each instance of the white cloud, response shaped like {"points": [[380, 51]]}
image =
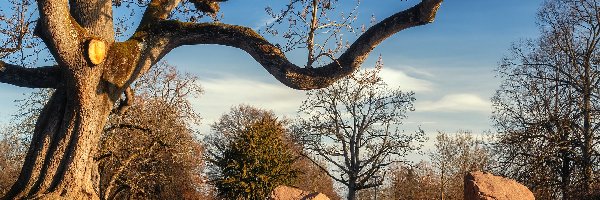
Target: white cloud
{"points": [[417, 71], [223, 93], [398, 78], [267, 21], [462, 102], [420, 123], [226, 91]]}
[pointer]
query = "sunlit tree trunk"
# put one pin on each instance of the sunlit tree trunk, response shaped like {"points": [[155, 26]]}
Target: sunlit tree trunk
{"points": [[60, 160]]}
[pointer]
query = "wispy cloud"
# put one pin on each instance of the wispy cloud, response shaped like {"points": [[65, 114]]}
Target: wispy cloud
{"points": [[399, 78], [420, 123], [463, 102], [223, 93], [267, 21], [413, 71]]}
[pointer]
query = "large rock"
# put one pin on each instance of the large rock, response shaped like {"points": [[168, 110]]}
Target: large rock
{"points": [[290, 193], [486, 186]]}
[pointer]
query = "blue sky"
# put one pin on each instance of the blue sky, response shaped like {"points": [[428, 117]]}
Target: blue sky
{"points": [[449, 64]]}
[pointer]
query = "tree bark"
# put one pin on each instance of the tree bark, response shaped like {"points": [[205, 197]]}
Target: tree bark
{"points": [[352, 188], [60, 161], [587, 131], [351, 194]]}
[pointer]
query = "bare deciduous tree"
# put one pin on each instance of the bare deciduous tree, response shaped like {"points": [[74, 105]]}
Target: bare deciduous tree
{"points": [[407, 182], [455, 156], [93, 69], [10, 155], [312, 178], [150, 154], [353, 126], [418, 182], [16, 23], [307, 20], [148, 149], [546, 110]]}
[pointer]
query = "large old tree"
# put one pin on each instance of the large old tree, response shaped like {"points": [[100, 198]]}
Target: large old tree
{"points": [[354, 127], [93, 70]]}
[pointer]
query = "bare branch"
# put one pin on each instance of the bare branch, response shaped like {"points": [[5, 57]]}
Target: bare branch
{"points": [[43, 77], [158, 10], [273, 59], [341, 180]]}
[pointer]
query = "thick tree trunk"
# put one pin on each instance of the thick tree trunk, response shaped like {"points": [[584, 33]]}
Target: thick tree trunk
{"points": [[60, 161]]}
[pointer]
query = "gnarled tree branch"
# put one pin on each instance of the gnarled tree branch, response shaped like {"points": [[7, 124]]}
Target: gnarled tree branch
{"points": [[59, 31], [158, 10], [272, 58], [153, 47], [43, 77]]}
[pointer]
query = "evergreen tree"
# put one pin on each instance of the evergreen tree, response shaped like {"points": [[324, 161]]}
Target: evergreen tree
{"points": [[254, 161]]}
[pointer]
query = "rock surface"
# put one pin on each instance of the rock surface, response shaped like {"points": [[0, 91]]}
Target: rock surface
{"points": [[486, 186], [290, 193]]}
